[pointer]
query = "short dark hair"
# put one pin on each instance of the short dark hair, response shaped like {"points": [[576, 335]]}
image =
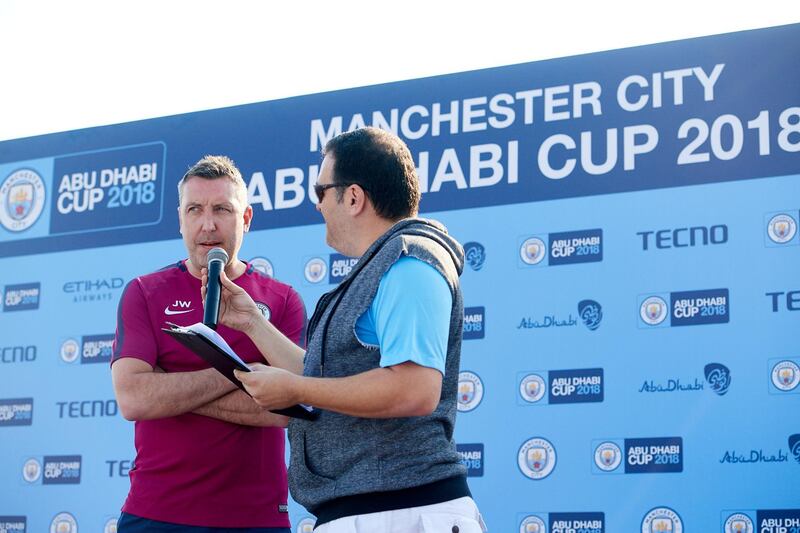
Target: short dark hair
{"points": [[214, 167], [381, 164]]}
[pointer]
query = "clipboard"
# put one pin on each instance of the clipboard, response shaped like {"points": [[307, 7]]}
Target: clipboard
{"points": [[212, 348]]}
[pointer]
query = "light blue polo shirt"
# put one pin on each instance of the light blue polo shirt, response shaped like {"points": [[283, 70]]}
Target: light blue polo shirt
{"points": [[409, 319]]}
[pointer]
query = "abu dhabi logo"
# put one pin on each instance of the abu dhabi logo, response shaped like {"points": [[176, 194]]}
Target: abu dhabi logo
{"points": [[794, 446], [475, 255], [21, 199], [591, 313], [718, 377]]}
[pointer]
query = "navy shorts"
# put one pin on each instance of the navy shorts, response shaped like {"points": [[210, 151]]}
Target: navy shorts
{"points": [[129, 523]]}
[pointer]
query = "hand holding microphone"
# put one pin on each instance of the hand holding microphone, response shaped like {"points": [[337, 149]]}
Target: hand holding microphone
{"points": [[224, 301]]}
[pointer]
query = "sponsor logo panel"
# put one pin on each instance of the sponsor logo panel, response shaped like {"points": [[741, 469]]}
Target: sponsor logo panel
{"points": [[562, 248], [474, 323], [113, 188], [22, 297], [686, 308], [16, 412], [13, 524], [472, 458]]}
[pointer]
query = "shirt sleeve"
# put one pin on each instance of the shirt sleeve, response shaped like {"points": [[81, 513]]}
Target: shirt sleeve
{"points": [[293, 319], [411, 314], [134, 336]]}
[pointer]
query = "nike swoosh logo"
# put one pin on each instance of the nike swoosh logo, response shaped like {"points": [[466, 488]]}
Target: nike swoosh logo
{"points": [[169, 311]]}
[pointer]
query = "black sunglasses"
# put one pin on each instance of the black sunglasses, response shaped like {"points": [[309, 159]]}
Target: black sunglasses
{"points": [[320, 189]]}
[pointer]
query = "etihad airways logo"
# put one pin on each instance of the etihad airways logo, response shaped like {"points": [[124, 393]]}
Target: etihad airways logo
{"points": [[179, 307]]}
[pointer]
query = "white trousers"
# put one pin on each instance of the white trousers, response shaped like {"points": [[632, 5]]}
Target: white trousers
{"points": [[455, 516]]}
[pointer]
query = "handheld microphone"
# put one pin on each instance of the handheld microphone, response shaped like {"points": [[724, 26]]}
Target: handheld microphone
{"points": [[217, 259]]}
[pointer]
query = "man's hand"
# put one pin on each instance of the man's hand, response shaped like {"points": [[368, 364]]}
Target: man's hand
{"points": [[237, 309], [271, 388]]}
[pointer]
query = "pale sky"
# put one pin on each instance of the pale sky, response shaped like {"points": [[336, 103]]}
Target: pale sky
{"points": [[69, 64]]}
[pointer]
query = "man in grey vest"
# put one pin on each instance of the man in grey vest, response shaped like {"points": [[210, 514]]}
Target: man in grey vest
{"points": [[382, 356]]}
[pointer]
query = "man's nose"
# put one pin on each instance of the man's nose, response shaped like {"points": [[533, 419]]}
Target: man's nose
{"points": [[209, 224]]}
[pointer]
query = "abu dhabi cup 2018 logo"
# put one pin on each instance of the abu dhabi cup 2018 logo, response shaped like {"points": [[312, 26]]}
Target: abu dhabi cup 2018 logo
{"points": [[470, 391], [315, 270], [475, 255], [785, 375], [536, 458], [781, 228], [22, 197], [738, 523], [263, 265], [662, 520]]}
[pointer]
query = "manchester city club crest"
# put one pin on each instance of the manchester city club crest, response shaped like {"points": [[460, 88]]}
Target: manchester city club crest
{"points": [[306, 525], [781, 228], [32, 470], [111, 526], [22, 197], [739, 523], [785, 375], [607, 456], [315, 270], [532, 388], [718, 378], [662, 520], [64, 523], [532, 524], [69, 351], [475, 255], [532, 251], [263, 265], [470, 391], [653, 310], [536, 458]]}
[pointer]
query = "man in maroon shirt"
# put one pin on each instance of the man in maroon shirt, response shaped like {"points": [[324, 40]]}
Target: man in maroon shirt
{"points": [[208, 458]]}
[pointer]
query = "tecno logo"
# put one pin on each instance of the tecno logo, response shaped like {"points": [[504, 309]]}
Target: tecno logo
{"points": [[684, 237], [17, 354], [789, 300]]}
